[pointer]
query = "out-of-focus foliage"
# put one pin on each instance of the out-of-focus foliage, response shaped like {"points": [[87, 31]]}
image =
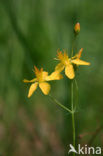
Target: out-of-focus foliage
{"points": [[31, 31]]}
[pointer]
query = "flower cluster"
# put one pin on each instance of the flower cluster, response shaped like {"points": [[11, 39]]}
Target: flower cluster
{"points": [[66, 64]]}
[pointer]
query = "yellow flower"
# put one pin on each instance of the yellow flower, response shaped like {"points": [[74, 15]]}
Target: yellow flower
{"points": [[67, 63], [40, 80]]}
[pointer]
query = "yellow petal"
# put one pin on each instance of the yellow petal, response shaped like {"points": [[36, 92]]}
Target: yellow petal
{"points": [[45, 87], [32, 89], [80, 62], [69, 71], [44, 75], [59, 67], [54, 76], [74, 57], [26, 81], [80, 53]]}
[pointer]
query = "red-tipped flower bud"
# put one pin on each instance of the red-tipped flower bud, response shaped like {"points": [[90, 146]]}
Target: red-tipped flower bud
{"points": [[77, 28]]}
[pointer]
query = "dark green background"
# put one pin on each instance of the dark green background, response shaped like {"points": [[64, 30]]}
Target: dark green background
{"points": [[31, 31]]}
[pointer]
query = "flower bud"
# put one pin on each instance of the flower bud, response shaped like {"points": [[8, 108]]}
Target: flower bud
{"points": [[77, 28]]}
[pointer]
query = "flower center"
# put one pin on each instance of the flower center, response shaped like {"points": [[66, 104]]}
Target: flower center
{"points": [[63, 58]]}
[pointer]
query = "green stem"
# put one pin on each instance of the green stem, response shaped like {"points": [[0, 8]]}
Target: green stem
{"points": [[58, 103], [73, 44], [73, 120], [77, 94]]}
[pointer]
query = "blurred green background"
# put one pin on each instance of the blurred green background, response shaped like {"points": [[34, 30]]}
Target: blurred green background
{"points": [[31, 31]]}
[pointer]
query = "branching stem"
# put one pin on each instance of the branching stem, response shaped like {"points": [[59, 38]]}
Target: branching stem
{"points": [[58, 103]]}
